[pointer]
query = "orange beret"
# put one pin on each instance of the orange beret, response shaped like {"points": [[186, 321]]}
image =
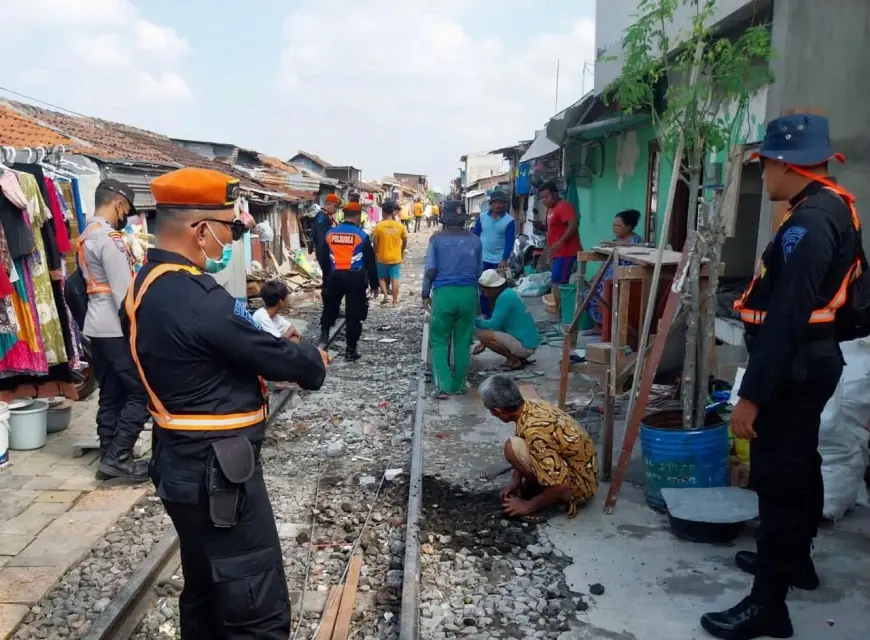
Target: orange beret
{"points": [[352, 207], [333, 199], [192, 188]]}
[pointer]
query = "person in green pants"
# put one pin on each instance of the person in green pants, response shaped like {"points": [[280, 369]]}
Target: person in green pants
{"points": [[454, 262]]}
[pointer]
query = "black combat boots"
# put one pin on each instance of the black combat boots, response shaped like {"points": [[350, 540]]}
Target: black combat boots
{"points": [[751, 618], [119, 463]]}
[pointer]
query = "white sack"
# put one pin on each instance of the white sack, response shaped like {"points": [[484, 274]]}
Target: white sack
{"points": [[843, 433]]}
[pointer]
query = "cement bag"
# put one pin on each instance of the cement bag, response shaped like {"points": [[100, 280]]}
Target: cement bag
{"points": [[536, 284], [843, 432]]}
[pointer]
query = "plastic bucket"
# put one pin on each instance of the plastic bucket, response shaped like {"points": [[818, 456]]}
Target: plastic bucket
{"points": [[28, 426], [569, 303], [674, 458], [4, 433]]}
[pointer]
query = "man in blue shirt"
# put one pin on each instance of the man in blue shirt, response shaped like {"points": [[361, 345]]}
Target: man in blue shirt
{"points": [[496, 230], [452, 267], [511, 331]]}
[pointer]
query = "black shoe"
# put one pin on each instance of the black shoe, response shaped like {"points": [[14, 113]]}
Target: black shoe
{"points": [[105, 445], [352, 355], [120, 464], [804, 577], [748, 620]]}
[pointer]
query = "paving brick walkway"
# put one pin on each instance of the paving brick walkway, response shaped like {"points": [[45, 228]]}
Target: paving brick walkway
{"points": [[52, 511]]}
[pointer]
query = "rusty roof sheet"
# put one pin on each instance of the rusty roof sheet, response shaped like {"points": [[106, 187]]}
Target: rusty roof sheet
{"points": [[118, 142], [323, 163], [276, 163]]}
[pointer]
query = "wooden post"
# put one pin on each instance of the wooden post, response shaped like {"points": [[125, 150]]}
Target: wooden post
{"points": [[327, 622], [607, 436], [568, 340], [644, 385], [614, 320]]}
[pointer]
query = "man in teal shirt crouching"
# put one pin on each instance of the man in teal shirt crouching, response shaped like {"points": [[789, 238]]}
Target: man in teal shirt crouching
{"points": [[510, 331]]}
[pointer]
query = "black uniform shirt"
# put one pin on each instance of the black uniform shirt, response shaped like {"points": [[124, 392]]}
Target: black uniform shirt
{"points": [[804, 266], [201, 352], [322, 224]]}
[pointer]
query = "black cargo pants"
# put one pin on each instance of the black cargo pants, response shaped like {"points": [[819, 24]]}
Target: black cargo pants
{"points": [[123, 403], [786, 468], [352, 286], [234, 582]]}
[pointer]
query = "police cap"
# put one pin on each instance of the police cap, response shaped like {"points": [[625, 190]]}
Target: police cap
{"points": [[193, 188], [352, 208]]}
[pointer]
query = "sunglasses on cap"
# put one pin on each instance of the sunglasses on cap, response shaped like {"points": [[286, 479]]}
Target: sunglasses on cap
{"points": [[237, 227]]}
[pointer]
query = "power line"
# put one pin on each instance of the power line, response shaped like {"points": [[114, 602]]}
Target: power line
{"points": [[47, 104]]}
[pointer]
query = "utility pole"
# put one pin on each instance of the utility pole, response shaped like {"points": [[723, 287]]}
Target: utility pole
{"points": [[556, 110]]}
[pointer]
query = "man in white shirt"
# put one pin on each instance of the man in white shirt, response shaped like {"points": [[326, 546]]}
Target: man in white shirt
{"points": [[276, 297]]}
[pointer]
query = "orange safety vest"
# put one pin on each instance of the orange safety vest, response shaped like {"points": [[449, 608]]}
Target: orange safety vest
{"points": [[828, 313], [92, 285], [183, 422]]}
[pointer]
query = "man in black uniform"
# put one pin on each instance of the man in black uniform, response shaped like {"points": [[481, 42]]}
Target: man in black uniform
{"points": [[352, 268], [202, 360], [794, 366], [323, 222]]}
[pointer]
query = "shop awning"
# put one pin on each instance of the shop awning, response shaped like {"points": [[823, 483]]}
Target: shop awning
{"points": [[542, 146], [603, 128], [474, 194]]}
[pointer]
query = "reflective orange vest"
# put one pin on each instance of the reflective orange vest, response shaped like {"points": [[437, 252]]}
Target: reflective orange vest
{"points": [[828, 313], [93, 285], [183, 422]]}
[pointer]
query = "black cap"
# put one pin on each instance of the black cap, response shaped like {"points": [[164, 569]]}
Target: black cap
{"points": [[388, 207], [119, 187]]}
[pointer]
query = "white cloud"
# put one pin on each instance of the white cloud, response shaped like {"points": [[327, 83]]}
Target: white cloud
{"points": [[407, 72], [99, 54]]}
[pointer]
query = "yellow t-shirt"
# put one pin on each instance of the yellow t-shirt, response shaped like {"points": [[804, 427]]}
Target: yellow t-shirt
{"points": [[436, 210], [388, 236], [403, 212], [418, 210]]}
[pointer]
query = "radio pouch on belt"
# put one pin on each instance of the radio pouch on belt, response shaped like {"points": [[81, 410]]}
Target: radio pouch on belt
{"points": [[230, 465]]}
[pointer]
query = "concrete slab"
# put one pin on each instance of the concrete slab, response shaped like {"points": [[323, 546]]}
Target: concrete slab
{"points": [[11, 615], [26, 585], [657, 586]]}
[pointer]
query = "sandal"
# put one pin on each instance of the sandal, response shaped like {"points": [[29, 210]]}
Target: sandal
{"points": [[506, 367], [438, 394]]}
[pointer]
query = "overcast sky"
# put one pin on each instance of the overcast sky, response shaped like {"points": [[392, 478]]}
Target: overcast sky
{"points": [[384, 85]]}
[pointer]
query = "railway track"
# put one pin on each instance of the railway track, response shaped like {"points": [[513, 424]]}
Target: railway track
{"points": [[122, 617]]}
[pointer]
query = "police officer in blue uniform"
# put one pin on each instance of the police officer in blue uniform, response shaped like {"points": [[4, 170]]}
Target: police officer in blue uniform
{"points": [[792, 311], [352, 266], [202, 360]]}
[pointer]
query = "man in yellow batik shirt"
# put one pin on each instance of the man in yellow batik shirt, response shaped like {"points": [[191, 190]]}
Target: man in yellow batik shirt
{"points": [[554, 459], [391, 239]]}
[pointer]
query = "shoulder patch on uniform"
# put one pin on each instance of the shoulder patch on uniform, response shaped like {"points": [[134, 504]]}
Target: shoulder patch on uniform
{"points": [[118, 239], [241, 312], [791, 238]]}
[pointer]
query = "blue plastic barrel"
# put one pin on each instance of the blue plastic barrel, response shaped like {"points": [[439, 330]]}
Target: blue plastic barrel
{"points": [[675, 458]]}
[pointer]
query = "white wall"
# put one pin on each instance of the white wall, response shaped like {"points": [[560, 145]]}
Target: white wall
{"points": [[484, 165], [613, 17]]}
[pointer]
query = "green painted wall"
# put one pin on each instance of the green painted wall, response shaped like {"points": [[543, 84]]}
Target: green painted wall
{"points": [[616, 188]]}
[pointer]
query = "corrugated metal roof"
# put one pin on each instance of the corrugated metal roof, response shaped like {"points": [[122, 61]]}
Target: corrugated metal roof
{"points": [[323, 163]]}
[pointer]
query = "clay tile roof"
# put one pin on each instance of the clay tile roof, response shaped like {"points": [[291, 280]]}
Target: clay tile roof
{"points": [[323, 163], [19, 131]]}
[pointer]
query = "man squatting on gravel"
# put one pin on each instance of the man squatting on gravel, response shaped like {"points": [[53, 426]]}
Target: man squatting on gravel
{"points": [[553, 458]]}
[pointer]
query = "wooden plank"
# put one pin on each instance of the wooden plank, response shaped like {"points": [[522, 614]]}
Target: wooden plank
{"points": [[633, 274], [327, 622], [615, 345], [528, 392], [622, 315], [348, 599], [589, 256], [645, 256], [649, 370]]}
